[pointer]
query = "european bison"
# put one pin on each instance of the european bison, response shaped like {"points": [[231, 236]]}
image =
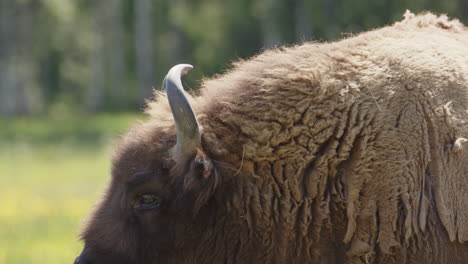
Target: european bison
{"points": [[345, 152]]}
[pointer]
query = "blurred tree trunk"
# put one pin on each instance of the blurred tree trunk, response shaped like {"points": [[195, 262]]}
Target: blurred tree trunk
{"points": [[177, 39], [269, 24], [110, 28], [95, 95], [8, 90], [114, 44], [332, 29], [96, 89], [31, 95], [463, 5], [144, 48], [330, 11], [303, 21], [177, 48], [19, 93]]}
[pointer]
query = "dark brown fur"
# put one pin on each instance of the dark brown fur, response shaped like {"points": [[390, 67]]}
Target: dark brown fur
{"points": [[348, 152]]}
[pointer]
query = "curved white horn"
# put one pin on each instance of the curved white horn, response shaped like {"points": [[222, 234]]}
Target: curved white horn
{"points": [[188, 132]]}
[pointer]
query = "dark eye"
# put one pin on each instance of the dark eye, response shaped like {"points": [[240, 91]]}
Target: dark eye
{"points": [[147, 201]]}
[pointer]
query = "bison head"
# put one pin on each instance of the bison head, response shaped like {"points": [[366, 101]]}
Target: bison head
{"points": [[161, 183]]}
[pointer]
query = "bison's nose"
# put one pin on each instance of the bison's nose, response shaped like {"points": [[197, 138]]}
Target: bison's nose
{"points": [[81, 260]]}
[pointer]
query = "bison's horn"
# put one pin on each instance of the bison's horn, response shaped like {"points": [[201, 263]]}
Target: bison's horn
{"points": [[188, 133]]}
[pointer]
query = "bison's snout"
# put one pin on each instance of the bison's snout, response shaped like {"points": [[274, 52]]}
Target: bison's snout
{"points": [[81, 260], [93, 256], [84, 257]]}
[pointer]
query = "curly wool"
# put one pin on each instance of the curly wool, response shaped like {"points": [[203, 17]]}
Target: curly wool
{"points": [[345, 150]]}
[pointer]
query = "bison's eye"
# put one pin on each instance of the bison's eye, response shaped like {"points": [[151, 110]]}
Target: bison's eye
{"points": [[147, 201]]}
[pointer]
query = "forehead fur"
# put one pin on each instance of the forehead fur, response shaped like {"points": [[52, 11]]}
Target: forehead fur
{"points": [[142, 148]]}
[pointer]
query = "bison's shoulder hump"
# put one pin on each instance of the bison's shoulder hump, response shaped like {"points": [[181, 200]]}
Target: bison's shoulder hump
{"points": [[429, 20]]}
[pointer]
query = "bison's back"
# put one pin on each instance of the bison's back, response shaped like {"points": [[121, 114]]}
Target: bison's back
{"points": [[351, 150]]}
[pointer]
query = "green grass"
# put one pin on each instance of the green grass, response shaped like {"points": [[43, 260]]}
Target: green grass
{"points": [[70, 129], [51, 174]]}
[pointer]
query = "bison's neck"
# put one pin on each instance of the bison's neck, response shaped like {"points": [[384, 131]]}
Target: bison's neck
{"points": [[347, 186], [345, 163]]}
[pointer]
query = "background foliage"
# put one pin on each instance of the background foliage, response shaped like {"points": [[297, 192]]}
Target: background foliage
{"points": [[73, 73], [85, 56]]}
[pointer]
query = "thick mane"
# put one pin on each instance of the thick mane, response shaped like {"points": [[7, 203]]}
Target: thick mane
{"points": [[281, 66], [313, 121], [429, 20]]}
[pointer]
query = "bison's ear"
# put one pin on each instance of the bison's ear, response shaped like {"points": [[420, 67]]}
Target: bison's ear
{"points": [[200, 171], [200, 180]]}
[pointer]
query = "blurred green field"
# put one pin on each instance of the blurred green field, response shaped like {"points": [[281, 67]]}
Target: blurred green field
{"points": [[52, 171]]}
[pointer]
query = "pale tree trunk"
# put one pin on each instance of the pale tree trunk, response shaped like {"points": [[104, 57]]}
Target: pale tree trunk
{"points": [[269, 25], [97, 60], [8, 92], [330, 11], [110, 19], [95, 95], [118, 66], [176, 39], [332, 30], [177, 49], [19, 93], [144, 48], [30, 93], [303, 21], [463, 5]]}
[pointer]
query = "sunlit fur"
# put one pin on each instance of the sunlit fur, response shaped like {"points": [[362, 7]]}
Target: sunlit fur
{"points": [[343, 152]]}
